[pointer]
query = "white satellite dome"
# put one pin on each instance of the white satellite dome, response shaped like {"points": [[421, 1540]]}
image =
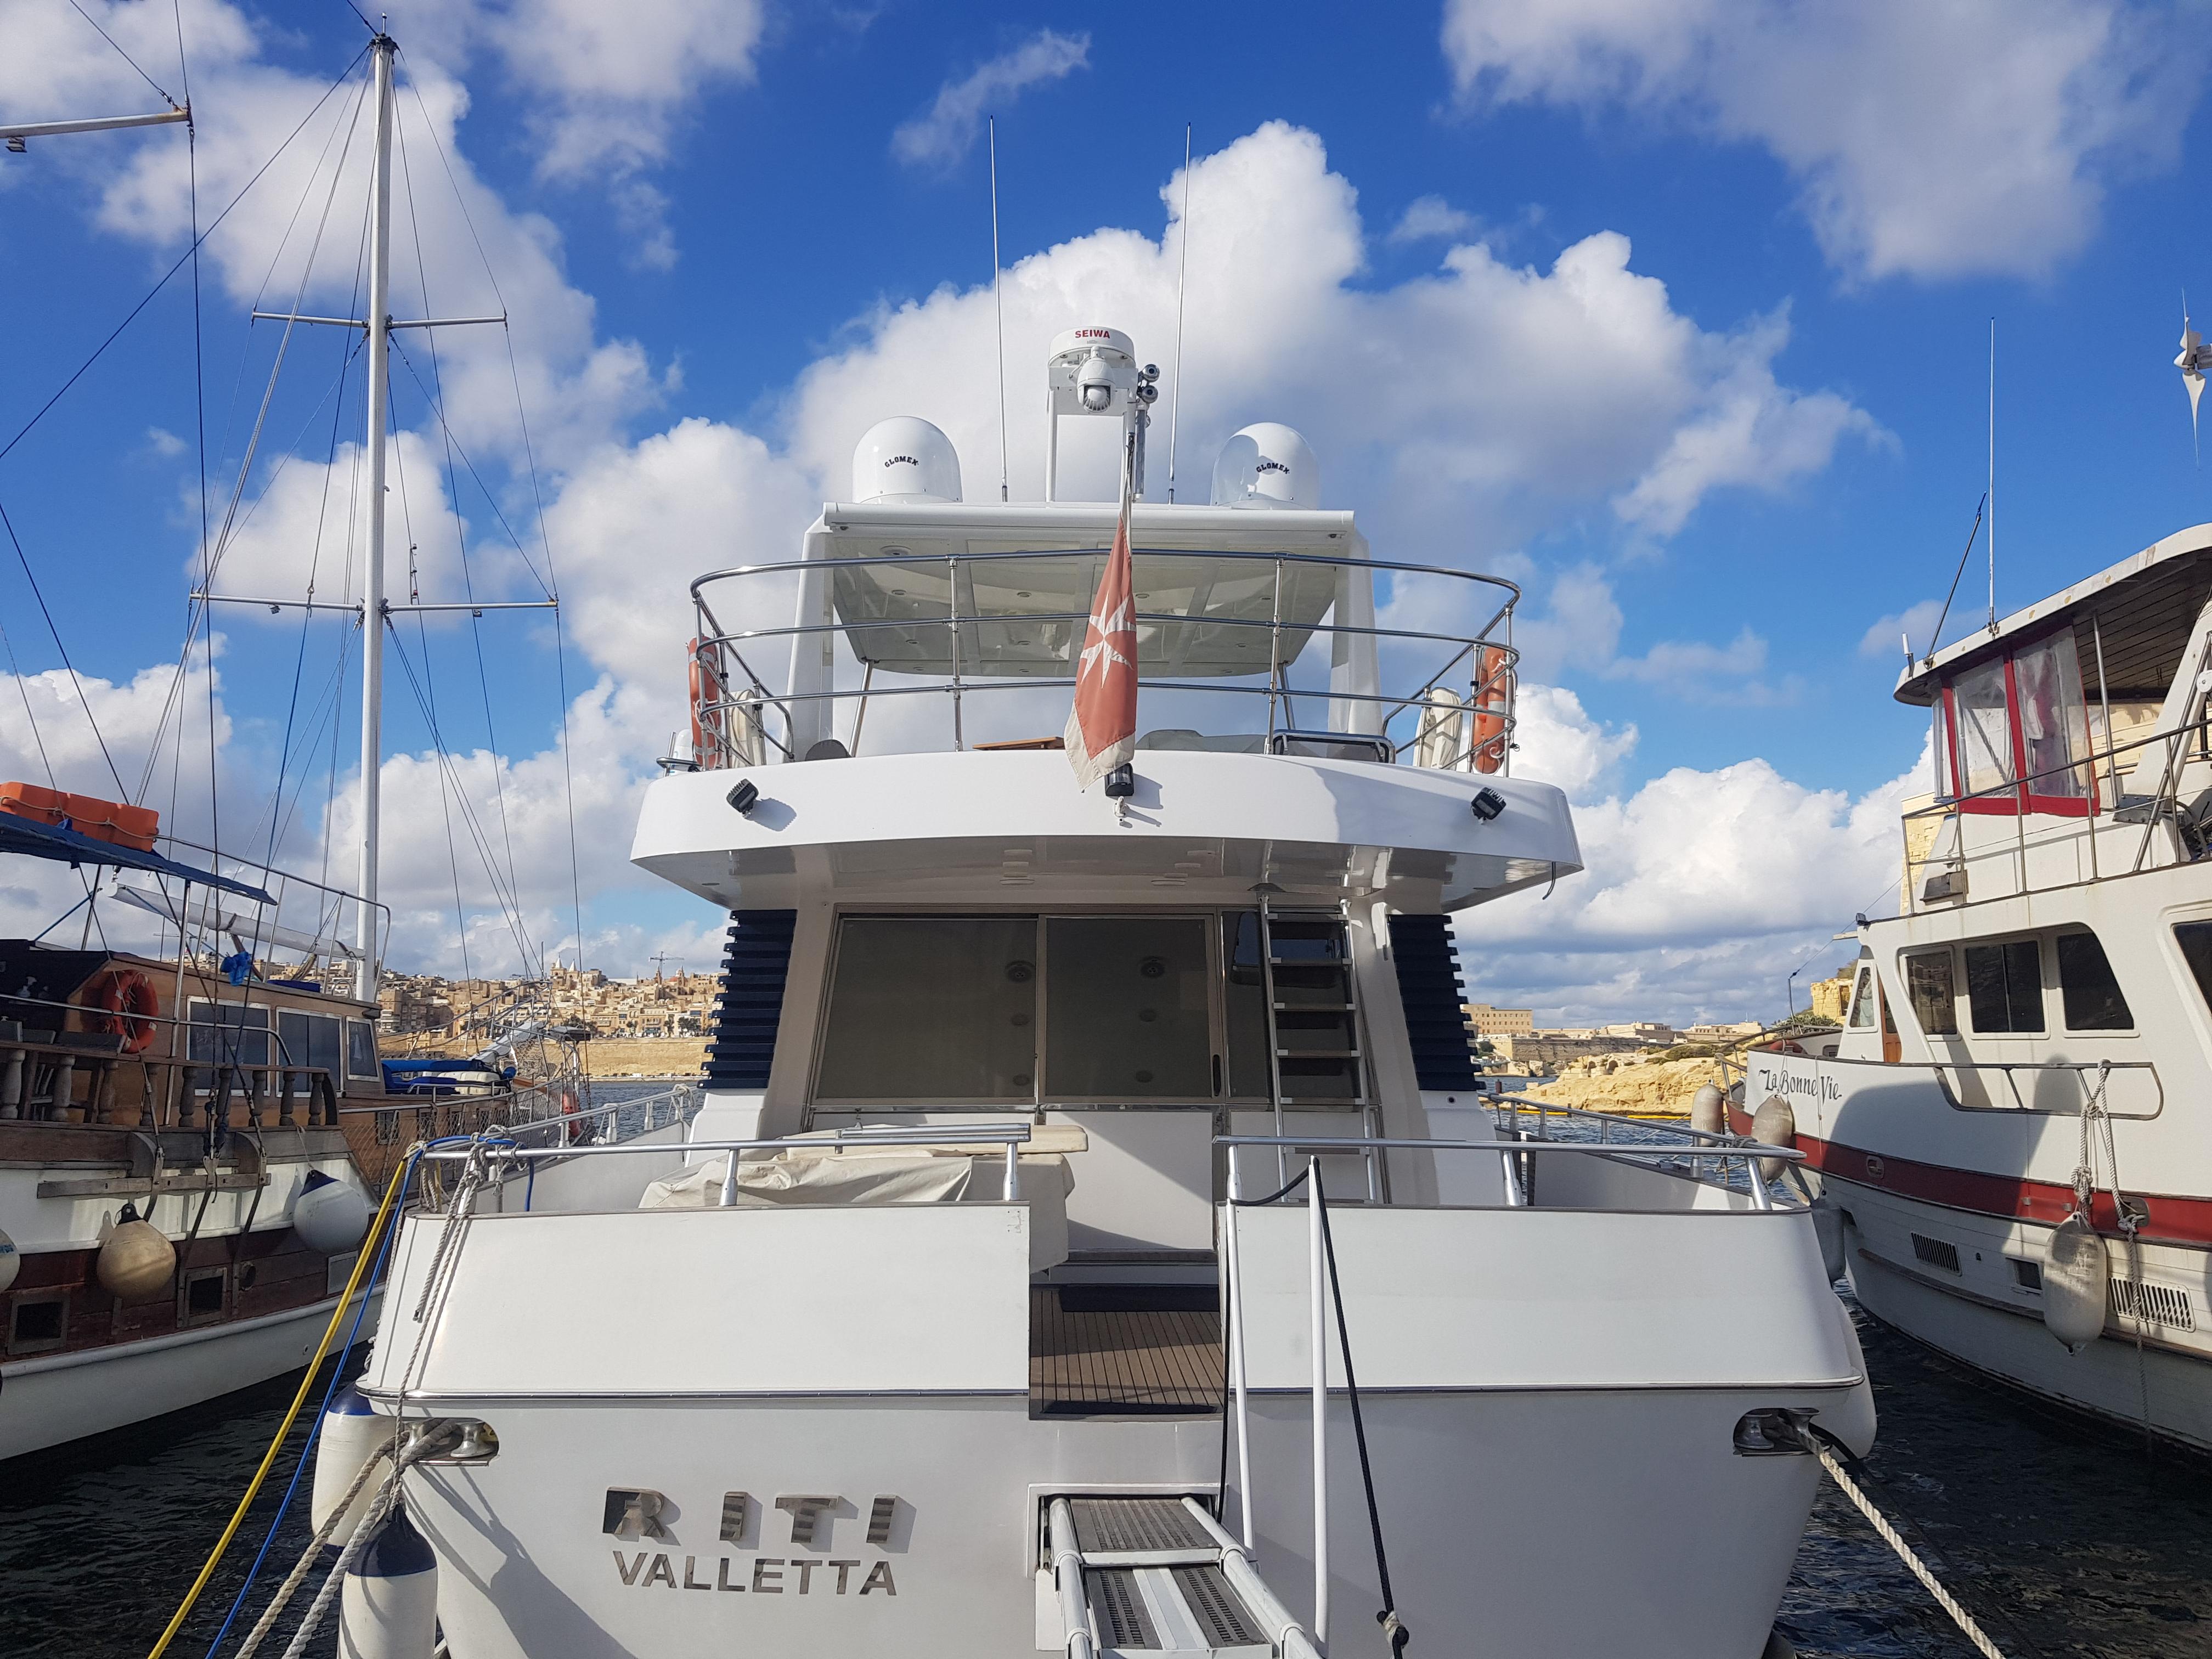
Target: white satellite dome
{"points": [[905, 458], [1267, 465]]}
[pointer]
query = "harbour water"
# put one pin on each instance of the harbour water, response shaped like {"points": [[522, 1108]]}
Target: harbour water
{"points": [[2066, 1541]]}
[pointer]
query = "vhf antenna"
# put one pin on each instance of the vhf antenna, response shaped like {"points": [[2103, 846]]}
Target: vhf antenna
{"points": [[998, 301], [1993, 476], [1183, 275]]}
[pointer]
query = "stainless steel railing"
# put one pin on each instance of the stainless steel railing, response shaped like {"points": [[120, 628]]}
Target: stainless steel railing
{"points": [[734, 700]]}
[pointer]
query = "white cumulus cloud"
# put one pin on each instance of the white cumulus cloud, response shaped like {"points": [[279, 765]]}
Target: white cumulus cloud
{"points": [[1932, 141], [948, 129]]}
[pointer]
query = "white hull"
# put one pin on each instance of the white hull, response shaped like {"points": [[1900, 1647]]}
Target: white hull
{"points": [[47, 1401], [1694, 1543], [1986, 1321]]}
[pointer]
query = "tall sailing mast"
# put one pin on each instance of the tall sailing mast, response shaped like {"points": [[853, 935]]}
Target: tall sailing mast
{"points": [[382, 50]]}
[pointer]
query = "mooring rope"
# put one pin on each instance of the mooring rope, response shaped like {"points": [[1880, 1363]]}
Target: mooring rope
{"points": [[1814, 1444], [285, 1590], [388, 1499]]}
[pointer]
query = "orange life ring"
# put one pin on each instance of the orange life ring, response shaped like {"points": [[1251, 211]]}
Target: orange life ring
{"points": [[128, 1005], [710, 715], [1492, 702]]}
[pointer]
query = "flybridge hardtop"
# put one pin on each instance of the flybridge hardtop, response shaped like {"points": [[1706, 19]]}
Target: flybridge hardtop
{"points": [[1285, 733]]}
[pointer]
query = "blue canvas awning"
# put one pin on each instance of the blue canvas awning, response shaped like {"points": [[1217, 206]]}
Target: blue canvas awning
{"points": [[32, 838]]}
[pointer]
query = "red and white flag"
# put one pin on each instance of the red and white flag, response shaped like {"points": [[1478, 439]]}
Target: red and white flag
{"points": [[1102, 728]]}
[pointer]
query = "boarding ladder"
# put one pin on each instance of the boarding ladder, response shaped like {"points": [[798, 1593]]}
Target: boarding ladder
{"points": [[1137, 1576], [1317, 1054]]}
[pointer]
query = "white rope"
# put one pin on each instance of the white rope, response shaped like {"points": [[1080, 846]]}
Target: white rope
{"points": [[387, 1496], [299, 1573], [1944, 1599]]}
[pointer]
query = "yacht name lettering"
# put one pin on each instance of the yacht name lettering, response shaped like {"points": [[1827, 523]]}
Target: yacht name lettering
{"points": [[1774, 1081], [771, 1575]]}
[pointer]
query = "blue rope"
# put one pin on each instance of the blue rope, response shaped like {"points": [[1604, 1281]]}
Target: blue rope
{"points": [[375, 1278]]}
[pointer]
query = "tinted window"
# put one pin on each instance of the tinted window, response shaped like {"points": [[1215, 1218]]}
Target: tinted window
{"points": [[2093, 1002], [361, 1048], [932, 1008], [1127, 1009], [2004, 986], [228, 1034], [305, 1039], [1935, 1000], [1245, 1000], [2194, 939]]}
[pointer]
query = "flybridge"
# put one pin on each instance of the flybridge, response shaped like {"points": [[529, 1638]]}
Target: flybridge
{"points": [[1255, 610]]}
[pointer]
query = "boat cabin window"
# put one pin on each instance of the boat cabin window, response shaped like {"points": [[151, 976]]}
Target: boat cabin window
{"points": [[2004, 986], [361, 1050], [1067, 1010], [1934, 995], [1862, 1000], [931, 1008], [2014, 733], [228, 1033], [1127, 1012], [2194, 939], [2089, 987], [305, 1039]]}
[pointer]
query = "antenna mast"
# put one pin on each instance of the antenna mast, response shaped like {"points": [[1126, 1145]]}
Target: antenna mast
{"points": [[998, 301], [1993, 477], [1183, 275], [381, 49]]}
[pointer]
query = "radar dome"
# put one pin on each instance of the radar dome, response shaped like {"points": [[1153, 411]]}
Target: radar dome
{"points": [[1267, 465], [905, 458]]}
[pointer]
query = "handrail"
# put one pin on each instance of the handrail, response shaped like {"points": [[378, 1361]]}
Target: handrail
{"points": [[911, 561], [1324, 1143], [731, 702], [2158, 806]]}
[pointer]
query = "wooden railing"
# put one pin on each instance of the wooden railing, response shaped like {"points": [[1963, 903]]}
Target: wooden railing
{"points": [[72, 1083]]}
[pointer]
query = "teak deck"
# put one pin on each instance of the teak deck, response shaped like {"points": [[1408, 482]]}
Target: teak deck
{"points": [[1095, 1359]]}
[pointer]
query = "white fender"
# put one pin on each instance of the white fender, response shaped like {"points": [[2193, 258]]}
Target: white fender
{"points": [[350, 1432], [1709, 1111], [1774, 1125], [328, 1215], [2076, 1275], [11, 1263], [136, 1260], [389, 1607]]}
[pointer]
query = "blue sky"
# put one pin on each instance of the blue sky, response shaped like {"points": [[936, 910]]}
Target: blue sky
{"points": [[1676, 312]]}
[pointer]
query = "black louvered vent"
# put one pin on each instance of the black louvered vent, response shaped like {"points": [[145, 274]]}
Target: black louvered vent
{"points": [[1435, 1017], [751, 1001]]}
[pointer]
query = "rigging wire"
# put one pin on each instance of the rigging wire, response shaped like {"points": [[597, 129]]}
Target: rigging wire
{"points": [[183, 259], [509, 904], [460, 532], [133, 61], [537, 499], [85, 702], [430, 687]]}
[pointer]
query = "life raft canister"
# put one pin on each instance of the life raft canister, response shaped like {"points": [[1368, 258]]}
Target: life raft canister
{"points": [[1493, 698], [710, 715], [128, 1005]]}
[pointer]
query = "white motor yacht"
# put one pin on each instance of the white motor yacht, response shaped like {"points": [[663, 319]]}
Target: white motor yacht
{"points": [[1094, 1239], [2007, 1133]]}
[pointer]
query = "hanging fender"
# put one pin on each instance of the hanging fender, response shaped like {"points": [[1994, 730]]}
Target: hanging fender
{"points": [[128, 1007]]}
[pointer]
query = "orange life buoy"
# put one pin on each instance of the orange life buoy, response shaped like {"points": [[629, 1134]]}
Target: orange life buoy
{"points": [[574, 1131], [710, 715], [128, 1005], [1492, 702]]}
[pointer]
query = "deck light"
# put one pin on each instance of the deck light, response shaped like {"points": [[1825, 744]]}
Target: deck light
{"points": [[1121, 783], [1486, 805], [744, 795]]}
